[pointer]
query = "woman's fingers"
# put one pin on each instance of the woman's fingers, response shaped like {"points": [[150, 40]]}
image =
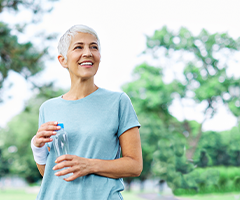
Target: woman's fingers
{"points": [[49, 126], [72, 164], [68, 161], [44, 133], [64, 172], [44, 140], [67, 168], [71, 178], [43, 137], [64, 157], [68, 171]]}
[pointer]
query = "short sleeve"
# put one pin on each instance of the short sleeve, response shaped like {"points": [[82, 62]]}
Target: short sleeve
{"points": [[127, 116], [40, 119]]}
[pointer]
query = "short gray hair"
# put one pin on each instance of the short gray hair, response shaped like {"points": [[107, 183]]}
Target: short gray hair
{"points": [[65, 40]]}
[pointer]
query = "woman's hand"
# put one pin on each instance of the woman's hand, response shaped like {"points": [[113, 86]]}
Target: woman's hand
{"points": [[77, 165], [129, 165], [44, 133]]}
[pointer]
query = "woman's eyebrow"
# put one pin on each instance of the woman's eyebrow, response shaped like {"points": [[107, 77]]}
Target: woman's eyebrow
{"points": [[81, 43], [77, 43], [94, 43]]}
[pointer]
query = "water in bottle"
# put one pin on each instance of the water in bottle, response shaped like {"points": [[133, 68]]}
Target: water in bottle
{"points": [[61, 146]]}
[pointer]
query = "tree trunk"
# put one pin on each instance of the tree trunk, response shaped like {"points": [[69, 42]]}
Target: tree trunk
{"points": [[142, 186], [128, 183], [142, 181], [193, 142]]}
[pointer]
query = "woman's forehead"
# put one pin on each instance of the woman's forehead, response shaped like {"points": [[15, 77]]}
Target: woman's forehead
{"points": [[83, 38]]}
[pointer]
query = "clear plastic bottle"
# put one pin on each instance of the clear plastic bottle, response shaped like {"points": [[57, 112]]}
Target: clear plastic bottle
{"points": [[61, 146]]}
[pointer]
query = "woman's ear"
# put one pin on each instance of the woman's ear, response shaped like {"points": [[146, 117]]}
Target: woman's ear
{"points": [[62, 61]]}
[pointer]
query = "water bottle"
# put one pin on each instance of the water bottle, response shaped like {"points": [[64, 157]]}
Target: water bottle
{"points": [[61, 146]]}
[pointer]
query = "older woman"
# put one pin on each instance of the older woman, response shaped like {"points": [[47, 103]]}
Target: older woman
{"points": [[100, 124]]}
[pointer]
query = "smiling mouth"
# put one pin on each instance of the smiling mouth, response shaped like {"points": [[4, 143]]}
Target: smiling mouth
{"points": [[86, 64]]}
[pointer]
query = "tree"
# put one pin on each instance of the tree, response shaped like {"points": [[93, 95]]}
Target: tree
{"points": [[203, 80], [206, 63], [161, 134], [22, 58], [218, 148], [16, 157], [4, 165]]}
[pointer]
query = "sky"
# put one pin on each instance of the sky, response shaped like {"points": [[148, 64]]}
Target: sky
{"points": [[122, 27]]}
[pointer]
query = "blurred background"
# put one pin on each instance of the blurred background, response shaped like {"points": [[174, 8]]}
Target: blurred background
{"points": [[179, 62]]}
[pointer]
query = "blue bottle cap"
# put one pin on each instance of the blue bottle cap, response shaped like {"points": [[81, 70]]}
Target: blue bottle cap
{"points": [[61, 125]]}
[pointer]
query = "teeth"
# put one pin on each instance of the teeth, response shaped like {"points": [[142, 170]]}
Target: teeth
{"points": [[86, 63]]}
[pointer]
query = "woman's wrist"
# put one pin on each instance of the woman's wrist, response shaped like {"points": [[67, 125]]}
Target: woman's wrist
{"points": [[39, 153], [33, 141], [93, 166]]}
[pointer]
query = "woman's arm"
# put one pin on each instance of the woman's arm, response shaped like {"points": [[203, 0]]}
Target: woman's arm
{"points": [[42, 137], [41, 169], [130, 164]]}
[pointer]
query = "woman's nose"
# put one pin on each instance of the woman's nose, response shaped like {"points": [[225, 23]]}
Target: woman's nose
{"points": [[87, 52]]}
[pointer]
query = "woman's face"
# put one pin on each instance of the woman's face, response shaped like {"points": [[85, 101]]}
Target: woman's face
{"points": [[83, 56]]}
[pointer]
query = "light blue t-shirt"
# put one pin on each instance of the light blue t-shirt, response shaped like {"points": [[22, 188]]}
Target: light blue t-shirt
{"points": [[94, 125]]}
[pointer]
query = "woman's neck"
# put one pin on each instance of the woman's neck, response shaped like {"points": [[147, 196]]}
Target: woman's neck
{"points": [[80, 90]]}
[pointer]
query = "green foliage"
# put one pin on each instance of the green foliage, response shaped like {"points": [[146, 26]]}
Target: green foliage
{"points": [[205, 74], [4, 164], [219, 149], [16, 137], [212, 180], [161, 134], [203, 79], [204, 159], [182, 191], [22, 58], [35, 6], [25, 59]]}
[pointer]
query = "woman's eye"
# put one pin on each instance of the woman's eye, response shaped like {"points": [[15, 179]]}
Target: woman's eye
{"points": [[94, 47], [78, 47]]}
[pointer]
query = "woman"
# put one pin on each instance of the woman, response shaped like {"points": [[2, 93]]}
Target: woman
{"points": [[100, 125]]}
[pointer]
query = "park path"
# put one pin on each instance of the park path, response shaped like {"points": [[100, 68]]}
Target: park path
{"points": [[154, 196]]}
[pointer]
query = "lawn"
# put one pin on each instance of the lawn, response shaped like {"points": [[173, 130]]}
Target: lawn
{"points": [[10, 194], [231, 196], [131, 196]]}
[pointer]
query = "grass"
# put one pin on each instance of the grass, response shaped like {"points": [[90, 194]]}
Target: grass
{"points": [[131, 196], [14, 194], [17, 194], [230, 196]]}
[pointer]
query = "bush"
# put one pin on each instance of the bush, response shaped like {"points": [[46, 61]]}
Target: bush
{"points": [[236, 182], [212, 180], [182, 191]]}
